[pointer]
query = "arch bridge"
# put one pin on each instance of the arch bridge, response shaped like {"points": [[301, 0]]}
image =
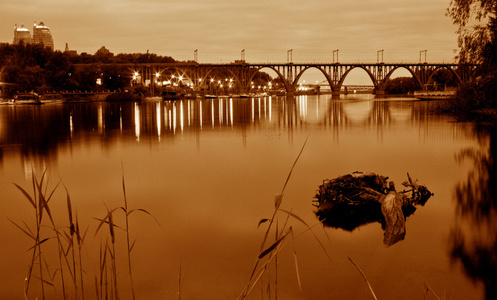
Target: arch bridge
{"points": [[242, 73]]}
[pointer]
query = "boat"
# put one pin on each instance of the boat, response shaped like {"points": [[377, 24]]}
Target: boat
{"points": [[154, 98], [435, 92], [29, 99], [171, 95]]}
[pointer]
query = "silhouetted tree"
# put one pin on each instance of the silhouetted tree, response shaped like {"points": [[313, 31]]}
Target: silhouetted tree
{"points": [[113, 77], [59, 73], [478, 44], [400, 85]]}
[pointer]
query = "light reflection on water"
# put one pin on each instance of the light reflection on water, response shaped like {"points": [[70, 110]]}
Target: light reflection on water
{"points": [[208, 171]]}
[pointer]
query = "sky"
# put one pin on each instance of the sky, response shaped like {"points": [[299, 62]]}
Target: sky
{"points": [[265, 29]]}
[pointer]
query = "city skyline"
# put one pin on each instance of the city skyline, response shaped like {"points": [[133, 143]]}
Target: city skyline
{"points": [[266, 30]]}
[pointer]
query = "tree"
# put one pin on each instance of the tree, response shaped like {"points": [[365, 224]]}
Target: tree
{"points": [[473, 18], [477, 38], [400, 85]]}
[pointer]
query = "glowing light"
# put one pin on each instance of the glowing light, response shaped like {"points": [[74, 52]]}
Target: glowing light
{"points": [[253, 111], [231, 111], [182, 121], [71, 125], [159, 125], [200, 114], [174, 118], [101, 124], [137, 122]]}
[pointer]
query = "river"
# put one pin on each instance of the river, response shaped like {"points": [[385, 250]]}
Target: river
{"points": [[203, 173]]}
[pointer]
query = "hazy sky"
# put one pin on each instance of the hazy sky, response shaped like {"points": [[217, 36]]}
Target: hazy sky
{"points": [[266, 29]]}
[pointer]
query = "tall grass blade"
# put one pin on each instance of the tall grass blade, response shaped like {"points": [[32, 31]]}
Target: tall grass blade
{"points": [[38, 243], [364, 276], [280, 197], [97, 294], [30, 234], [272, 247], [261, 222], [277, 201], [296, 262], [104, 220], [310, 229], [295, 216], [53, 191], [44, 280], [111, 229], [127, 233], [72, 228], [132, 246], [179, 283], [144, 211], [26, 194], [293, 166], [427, 287]]}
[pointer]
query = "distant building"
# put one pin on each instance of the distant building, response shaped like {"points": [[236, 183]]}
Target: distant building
{"points": [[70, 52], [22, 34], [41, 35]]}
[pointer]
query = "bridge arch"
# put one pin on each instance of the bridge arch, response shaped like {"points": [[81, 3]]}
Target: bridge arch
{"points": [[283, 79], [202, 78], [328, 78], [370, 74], [411, 71], [182, 72], [452, 71]]}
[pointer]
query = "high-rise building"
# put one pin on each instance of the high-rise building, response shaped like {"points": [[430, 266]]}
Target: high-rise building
{"points": [[42, 35], [22, 34]]}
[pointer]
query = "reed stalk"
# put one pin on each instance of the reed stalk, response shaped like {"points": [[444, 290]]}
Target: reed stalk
{"points": [[39, 201], [274, 248], [365, 278], [129, 247]]}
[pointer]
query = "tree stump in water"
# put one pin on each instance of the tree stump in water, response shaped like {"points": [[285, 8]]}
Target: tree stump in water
{"points": [[359, 198]]}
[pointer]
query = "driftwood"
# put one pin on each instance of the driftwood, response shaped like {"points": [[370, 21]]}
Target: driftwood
{"points": [[359, 198]]}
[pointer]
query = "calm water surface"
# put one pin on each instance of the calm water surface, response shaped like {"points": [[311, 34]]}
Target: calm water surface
{"points": [[209, 170]]}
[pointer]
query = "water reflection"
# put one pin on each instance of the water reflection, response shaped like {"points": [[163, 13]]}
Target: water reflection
{"points": [[474, 236], [231, 156], [39, 130]]}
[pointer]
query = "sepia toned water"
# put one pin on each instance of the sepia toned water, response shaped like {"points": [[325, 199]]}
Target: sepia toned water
{"points": [[208, 171]]}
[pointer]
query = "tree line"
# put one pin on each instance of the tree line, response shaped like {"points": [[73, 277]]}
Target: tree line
{"points": [[28, 67]]}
